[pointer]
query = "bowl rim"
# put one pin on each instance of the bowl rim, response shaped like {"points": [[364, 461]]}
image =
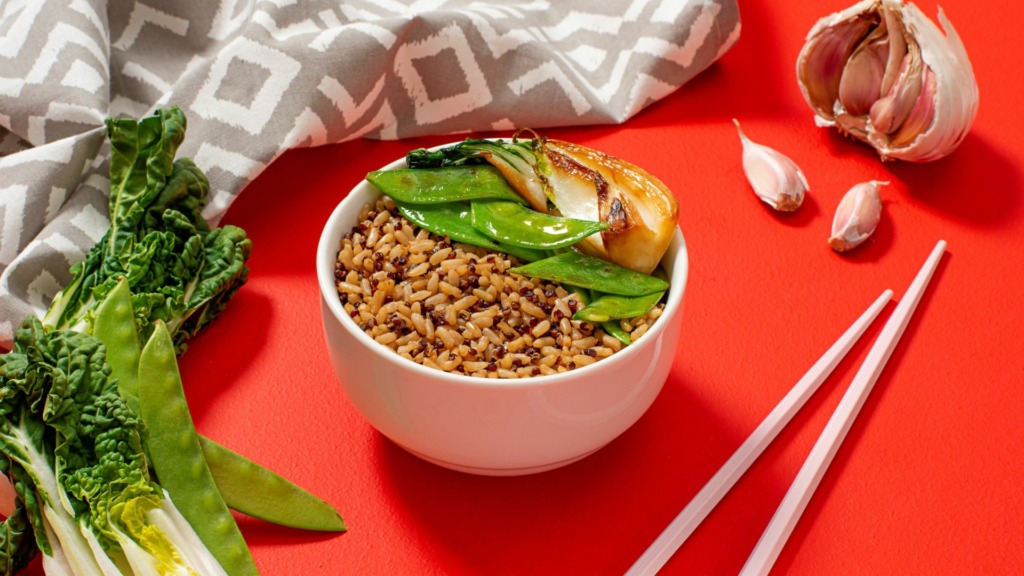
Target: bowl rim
{"points": [[326, 257]]}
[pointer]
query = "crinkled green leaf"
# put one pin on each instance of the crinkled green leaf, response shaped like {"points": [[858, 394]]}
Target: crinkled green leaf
{"points": [[178, 269]]}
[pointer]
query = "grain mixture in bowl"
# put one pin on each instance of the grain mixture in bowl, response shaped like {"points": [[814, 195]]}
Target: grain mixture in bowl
{"points": [[456, 308]]}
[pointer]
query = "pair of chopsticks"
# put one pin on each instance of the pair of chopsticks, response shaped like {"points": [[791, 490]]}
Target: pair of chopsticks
{"points": [[807, 479]]}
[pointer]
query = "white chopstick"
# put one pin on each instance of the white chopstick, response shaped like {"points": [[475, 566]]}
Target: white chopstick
{"points": [[712, 493], [807, 479]]}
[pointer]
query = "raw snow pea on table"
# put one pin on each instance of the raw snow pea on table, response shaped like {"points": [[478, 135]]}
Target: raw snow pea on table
{"points": [[159, 270]]}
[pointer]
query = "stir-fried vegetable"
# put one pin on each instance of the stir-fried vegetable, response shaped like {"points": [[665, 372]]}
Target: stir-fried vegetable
{"points": [[517, 225], [617, 218], [439, 185], [611, 306], [593, 273], [454, 220], [578, 182]]}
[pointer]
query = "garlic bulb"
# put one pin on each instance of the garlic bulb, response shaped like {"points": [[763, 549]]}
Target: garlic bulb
{"points": [[884, 73], [775, 178], [858, 214]]}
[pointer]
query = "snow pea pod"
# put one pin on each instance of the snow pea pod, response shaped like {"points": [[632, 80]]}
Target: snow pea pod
{"points": [[115, 327], [520, 226], [453, 220], [611, 327], [440, 185], [615, 331], [254, 490], [571, 267], [614, 306], [178, 458], [245, 486]]}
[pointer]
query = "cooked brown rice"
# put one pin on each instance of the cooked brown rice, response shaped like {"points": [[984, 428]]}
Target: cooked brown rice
{"points": [[455, 307]]}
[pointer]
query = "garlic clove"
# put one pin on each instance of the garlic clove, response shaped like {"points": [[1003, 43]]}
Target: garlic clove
{"points": [[857, 216], [921, 115], [927, 98], [889, 112], [820, 70], [861, 83], [775, 178]]}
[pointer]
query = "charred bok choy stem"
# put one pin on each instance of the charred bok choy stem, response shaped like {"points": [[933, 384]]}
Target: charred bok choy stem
{"points": [[578, 182], [632, 216]]}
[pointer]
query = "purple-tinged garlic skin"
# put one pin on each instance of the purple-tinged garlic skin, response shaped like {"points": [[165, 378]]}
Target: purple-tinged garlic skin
{"points": [[857, 216], [775, 178], [884, 73]]}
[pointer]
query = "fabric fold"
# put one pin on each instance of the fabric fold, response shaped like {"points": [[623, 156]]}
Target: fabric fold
{"points": [[258, 78]]}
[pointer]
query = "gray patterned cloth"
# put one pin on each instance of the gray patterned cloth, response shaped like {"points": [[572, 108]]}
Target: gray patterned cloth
{"points": [[257, 77]]}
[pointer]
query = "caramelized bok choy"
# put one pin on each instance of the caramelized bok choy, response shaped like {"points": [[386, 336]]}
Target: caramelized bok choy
{"points": [[578, 182]]}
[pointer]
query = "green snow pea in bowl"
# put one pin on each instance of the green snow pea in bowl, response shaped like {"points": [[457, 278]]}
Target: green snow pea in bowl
{"points": [[484, 425]]}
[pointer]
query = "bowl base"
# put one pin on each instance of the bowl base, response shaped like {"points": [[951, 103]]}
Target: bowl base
{"points": [[482, 471]]}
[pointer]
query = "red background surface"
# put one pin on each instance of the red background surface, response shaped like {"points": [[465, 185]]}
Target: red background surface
{"points": [[929, 478]]}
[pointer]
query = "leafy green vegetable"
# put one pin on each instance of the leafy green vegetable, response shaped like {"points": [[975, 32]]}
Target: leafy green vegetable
{"points": [[524, 163], [74, 446], [178, 269], [75, 451]]}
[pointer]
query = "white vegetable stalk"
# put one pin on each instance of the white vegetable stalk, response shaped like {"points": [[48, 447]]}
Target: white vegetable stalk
{"points": [[884, 73]]}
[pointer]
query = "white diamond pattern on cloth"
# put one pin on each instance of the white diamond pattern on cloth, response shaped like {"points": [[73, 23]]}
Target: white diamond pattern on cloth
{"points": [[257, 78]]}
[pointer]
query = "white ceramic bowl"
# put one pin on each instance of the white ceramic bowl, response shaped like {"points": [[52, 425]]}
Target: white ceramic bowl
{"points": [[493, 426]]}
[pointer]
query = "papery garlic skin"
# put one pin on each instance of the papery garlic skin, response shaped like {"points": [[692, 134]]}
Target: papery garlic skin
{"points": [[884, 73], [775, 178], [857, 216]]}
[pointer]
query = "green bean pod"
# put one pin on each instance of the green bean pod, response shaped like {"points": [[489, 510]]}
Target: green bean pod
{"points": [[453, 220], [578, 269], [518, 225], [115, 326], [441, 185], [178, 458], [611, 327], [258, 492], [614, 329], [613, 306]]}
